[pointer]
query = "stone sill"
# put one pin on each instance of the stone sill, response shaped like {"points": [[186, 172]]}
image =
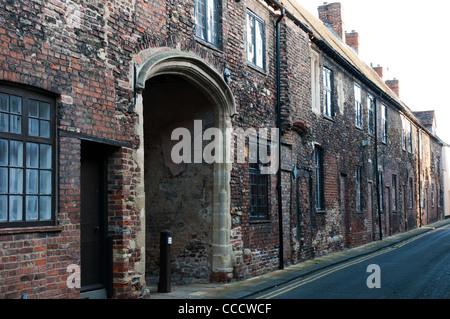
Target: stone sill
{"points": [[32, 229]]}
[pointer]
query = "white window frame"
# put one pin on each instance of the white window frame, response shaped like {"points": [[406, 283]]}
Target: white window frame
{"points": [[384, 123], [207, 21], [370, 112], [255, 40], [358, 108], [328, 107]]}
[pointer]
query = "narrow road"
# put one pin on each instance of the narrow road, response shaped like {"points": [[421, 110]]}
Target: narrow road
{"points": [[418, 268]]}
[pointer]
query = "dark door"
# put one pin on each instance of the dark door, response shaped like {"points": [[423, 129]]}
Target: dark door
{"points": [[92, 217]]}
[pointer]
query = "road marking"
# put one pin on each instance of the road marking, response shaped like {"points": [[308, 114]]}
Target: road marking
{"points": [[301, 282]]}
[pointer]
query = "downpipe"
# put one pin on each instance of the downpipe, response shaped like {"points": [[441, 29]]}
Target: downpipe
{"points": [[279, 189]]}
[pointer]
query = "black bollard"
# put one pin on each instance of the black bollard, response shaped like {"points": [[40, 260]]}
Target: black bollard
{"points": [[164, 284]]}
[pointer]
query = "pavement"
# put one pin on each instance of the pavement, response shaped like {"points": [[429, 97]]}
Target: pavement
{"points": [[249, 287]]}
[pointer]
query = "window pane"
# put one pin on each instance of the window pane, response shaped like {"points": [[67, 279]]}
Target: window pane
{"points": [[200, 19], [33, 127], [46, 156], [16, 104], [16, 153], [15, 208], [15, 124], [32, 181], [45, 207], [3, 208], [4, 102], [32, 203], [44, 110], [15, 181], [211, 21], [3, 180], [33, 108], [44, 128], [4, 122], [3, 152], [32, 155], [259, 44], [250, 40], [45, 183]]}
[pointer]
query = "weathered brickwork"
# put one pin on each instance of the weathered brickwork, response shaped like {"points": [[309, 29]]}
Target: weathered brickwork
{"points": [[124, 74]]}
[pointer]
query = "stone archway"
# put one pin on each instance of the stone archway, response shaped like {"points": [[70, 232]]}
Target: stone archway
{"points": [[195, 72]]}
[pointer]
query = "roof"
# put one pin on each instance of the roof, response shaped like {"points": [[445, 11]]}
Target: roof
{"points": [[426, 117]]}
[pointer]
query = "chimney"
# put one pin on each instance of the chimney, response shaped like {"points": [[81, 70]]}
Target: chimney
{"points": [[331, 15], [352, 40], [379, 70], [393, 85]]}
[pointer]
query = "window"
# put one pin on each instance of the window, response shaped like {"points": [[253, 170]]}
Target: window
{"points": [[404, 133], [328, 108], [421, 194], [26, 158], [380, 189], [259, 184], [432, 195], [411, 193], [410, 138], [358, 110], [370, 110], [394, 192], [358, 188], [319, 189], [315, 80], [206, 21], [384, 123], [420, 146], [255, 40]]}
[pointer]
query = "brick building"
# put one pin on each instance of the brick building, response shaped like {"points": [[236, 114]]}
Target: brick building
{"points": [[91, 93]]}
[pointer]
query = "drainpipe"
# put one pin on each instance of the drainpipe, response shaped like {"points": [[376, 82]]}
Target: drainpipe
{"points": [[280, 203], [421, 192]]}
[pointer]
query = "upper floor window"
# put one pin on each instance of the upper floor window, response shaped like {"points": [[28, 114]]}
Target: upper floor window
{"points": [[420, 146], [384, 123], [206, 21], [370, 110], [315, 80], [328, 108], [358, 110], [410, 138], [255, 40], [404, 133], [27, 158]]}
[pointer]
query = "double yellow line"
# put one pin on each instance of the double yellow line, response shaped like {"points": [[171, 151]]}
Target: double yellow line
{"points": [[301, 282]]}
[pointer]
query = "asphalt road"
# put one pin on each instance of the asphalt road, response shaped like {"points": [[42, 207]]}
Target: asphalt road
{"points": [[418, 268]]}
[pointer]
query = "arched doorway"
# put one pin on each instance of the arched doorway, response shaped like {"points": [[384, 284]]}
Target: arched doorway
{"points": [[190, 200]]}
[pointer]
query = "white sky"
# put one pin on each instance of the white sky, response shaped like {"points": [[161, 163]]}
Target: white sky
{"points": [[409, 40]]}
